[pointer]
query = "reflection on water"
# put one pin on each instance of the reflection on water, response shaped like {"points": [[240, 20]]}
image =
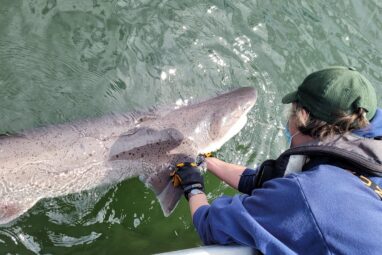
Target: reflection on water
{"points": [[65, 60]]}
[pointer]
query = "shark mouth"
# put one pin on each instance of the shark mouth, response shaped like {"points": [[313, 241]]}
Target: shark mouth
{"points": [[234, 130]]}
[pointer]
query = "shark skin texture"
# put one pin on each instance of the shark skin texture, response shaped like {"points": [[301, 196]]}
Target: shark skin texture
{"points": [[61, 159]]}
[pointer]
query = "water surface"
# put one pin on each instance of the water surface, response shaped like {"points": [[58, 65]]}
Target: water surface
{"points": [[66, 60]]}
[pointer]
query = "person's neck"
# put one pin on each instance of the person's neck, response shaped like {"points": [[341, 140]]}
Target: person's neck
{"points": [[301, 139]]}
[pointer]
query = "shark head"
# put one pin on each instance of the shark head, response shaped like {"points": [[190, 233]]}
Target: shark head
{"points": [[211, 123]]}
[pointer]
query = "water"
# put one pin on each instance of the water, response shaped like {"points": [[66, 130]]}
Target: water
{"points": [[66, 60]]}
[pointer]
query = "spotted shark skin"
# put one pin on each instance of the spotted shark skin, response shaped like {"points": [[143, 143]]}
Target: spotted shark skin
{"points": [[68, 158]]}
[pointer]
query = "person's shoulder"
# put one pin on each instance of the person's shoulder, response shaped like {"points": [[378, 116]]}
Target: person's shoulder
{"points": [[284, 185], [321, 177], [327, 183], [323, 171]]}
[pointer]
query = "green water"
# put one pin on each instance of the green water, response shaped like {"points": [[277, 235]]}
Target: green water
{"points": [[62, 60]]}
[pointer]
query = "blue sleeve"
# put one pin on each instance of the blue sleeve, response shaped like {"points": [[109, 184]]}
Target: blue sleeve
{"points": [[267, 220]]}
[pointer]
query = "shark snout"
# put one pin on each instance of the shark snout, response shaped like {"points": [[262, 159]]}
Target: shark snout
{"points": [[245, 99], [249, 96]]}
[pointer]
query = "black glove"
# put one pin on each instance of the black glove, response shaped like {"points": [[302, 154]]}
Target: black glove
{"points": [[188, 177], [200, 159]]}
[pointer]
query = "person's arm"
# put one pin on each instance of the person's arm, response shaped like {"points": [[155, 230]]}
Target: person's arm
{"points": [[188, 177], [197, 201], [262, 220], [229, 173]]}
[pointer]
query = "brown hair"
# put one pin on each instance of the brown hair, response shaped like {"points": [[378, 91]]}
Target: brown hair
{"points": [[320, 129]]}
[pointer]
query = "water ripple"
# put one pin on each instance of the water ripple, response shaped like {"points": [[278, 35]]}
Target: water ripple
{"points": [[65, 60]]}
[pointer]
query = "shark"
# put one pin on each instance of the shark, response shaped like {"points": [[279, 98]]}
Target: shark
{"points": [[57, 160]]}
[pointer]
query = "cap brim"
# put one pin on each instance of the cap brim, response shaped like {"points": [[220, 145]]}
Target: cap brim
{"points": [[289, 98]]}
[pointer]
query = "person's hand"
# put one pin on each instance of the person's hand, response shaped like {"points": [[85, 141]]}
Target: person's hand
{"points": [[188, 177], [201, 160]]}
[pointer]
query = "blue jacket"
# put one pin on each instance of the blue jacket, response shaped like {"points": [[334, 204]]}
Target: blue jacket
{"points": [[325, 210]]}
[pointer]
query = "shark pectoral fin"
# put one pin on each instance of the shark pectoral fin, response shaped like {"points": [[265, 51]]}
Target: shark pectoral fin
{"points": [[167, 195], [12, 210], [169, 198]]}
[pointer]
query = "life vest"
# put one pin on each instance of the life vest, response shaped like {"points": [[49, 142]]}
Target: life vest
{"points": [[362, 156]]}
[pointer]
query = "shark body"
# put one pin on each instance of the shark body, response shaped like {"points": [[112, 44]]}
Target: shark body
{"points": [[68, 158]]}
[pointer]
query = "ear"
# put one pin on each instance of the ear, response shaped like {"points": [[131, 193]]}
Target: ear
{"points": [[301, 113], [301, 116], [304, 115]]}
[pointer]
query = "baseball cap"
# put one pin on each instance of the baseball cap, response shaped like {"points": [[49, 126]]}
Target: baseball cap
{"points": [[330, 92]]}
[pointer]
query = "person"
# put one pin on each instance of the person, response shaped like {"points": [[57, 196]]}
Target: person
{"points": [[322, 195]]}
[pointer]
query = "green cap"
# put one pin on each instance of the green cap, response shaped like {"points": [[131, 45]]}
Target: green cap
{"points": [[334, 90]]}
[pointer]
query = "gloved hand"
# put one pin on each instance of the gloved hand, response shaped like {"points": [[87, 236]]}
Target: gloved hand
{"points": [[200, 159], [188, 177]]}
